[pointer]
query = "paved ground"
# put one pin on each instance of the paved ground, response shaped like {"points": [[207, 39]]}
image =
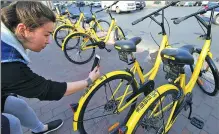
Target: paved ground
{"points": [[52, 64]]}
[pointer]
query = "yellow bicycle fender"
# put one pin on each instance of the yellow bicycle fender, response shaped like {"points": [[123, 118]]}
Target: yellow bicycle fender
{"points": [[140, 109], [89, 91], [59, 27]]}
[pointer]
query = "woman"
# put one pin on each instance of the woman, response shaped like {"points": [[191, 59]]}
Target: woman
{"points": [[28, 25]]}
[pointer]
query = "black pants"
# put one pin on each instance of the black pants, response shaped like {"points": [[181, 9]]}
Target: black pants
{"points": [[5, 126]]}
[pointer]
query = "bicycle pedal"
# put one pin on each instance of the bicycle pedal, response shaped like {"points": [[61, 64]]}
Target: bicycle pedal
{"points": [[197, 123]]}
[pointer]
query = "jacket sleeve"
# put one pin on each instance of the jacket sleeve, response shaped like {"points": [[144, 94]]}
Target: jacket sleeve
{"points": [[18, 78]]}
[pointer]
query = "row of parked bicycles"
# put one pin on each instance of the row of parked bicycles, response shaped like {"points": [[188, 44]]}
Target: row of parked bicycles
{"points": [[117, 103], [79, 36]]}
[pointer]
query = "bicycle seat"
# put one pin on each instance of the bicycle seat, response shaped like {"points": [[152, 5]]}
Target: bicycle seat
{"points": [[189, 48], [89, 19], [127, 45], [180, 56]]}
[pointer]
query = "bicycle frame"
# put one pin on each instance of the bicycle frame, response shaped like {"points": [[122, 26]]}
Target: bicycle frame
{"points": [[184, 88], [77, 26], [136, 68], [187, 88], [205, 51], [153, 72]]}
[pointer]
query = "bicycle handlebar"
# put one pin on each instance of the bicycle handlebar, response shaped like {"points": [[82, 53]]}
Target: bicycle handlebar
{"points": [[178, 20], [141, 19], [91, 8], [106, 7]]}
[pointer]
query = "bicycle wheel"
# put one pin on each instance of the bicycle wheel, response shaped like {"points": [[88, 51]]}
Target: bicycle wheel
{"points": [[208, 79], [100, 108], [119, 34], [60, 34], [102, 27], [154, 119], [76, 42]]}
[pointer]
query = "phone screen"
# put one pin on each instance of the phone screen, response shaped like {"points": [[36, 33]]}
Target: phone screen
{"points": [[96, 62]]}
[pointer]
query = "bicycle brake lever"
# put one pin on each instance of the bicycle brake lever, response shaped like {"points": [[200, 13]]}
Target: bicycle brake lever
{"points": [[204, 36], [174, 18], [160, 33]]}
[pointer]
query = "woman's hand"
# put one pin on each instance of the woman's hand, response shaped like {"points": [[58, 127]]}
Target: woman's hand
{"points": [[95, 73], [73, 87]]}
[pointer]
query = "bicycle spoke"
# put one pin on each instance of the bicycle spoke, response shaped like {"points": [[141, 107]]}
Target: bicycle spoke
{"points": [[97, 117], [77, 56], [207, 80], [94, 108]]}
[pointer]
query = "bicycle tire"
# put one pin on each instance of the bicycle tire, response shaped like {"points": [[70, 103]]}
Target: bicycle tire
{"points": [[215, 73], [57, 40], [81, 35], [123, 77], [152, 105]]}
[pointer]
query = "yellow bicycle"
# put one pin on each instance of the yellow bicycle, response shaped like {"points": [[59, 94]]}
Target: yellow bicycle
{"points": [[64, 30], [158, 111], [65, 18], [84, 50], [115, 94]]}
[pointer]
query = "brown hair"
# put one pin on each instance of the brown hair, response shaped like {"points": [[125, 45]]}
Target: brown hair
{"points": [[31, 13]]}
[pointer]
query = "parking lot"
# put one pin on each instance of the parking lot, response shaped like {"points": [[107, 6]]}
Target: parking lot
{"points": [[52, 64]]}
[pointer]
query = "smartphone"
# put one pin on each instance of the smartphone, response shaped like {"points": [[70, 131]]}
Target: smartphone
{"points": [[96, 62]]}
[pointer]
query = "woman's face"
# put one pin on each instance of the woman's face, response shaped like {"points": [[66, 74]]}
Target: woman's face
{"points": [[37, 39]]}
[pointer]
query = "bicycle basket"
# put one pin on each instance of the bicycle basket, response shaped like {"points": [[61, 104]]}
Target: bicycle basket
{"points": [[123, 56]]}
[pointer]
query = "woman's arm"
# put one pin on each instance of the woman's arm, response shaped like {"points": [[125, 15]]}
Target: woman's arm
{"points": [[24, 82]]}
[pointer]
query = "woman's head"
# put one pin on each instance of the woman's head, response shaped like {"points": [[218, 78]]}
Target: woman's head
{"points": [[32, 22]]}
